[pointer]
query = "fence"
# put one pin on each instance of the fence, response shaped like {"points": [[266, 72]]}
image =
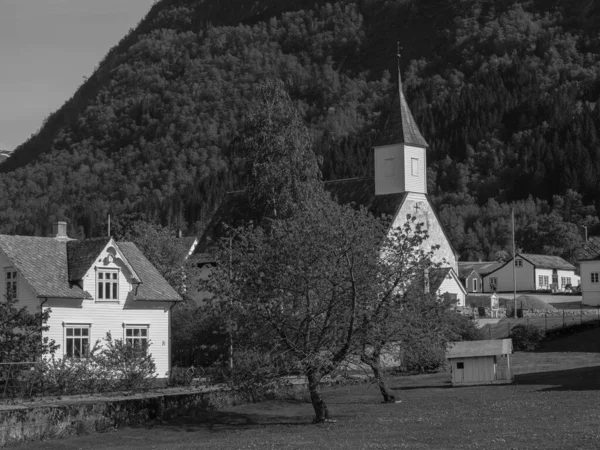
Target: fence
{"points": [[543, 320]]}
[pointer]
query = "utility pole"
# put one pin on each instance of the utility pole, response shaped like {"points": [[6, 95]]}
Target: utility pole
{"points": [[514, 263]]}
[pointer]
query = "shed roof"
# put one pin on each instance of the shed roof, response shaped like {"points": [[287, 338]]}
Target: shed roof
{"points": [[469, 349]]}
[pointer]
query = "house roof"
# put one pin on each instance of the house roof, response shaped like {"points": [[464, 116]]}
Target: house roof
{"points": [[466, 349], [400, 126], [52, 266], [547, 262], [81, 255], [481, 268], [591, 249], [153, 286], [43, 263], [464, 273], [437, 277]]}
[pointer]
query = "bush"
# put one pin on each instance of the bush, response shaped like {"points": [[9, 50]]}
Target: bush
{"points": [[116, 366], [526, 337]]}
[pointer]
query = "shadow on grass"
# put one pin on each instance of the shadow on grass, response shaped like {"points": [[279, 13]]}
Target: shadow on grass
{"points": [[584, 338], [582, 379]]}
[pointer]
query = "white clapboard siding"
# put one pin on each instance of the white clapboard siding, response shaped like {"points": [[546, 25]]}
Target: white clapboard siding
{"points": [[417, 181], [450, 285]]}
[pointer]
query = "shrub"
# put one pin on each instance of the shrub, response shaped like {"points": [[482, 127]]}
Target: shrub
{"points": [[115, 366], [526, 337]]}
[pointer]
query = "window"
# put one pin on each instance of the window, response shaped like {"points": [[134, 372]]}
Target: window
{"points": [[108, 285], [543, 280], [565, 281], [11, 276], [414, 167], [594, 277], [137, 336], [493, 283], [474, 284], [518, 263], [460, 365], [77, 341]]}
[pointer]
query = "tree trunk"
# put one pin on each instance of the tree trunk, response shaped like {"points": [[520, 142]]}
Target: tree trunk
{"points": [[321, 412], [375, 364]]}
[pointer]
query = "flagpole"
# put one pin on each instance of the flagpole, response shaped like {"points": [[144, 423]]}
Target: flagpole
{"points": [[514, 263]]}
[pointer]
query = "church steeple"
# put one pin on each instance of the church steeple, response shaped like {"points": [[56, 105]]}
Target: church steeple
{"points": [[400, 126]]}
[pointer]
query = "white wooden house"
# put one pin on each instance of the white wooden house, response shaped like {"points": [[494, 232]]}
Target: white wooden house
{"points": [[398, 189], [480, 362], [471, 273], [533, 273], [589, 269], [92, 287]]}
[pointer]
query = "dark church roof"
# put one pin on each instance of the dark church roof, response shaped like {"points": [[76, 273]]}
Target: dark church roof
{"points": [[235, 209], [400, 126]]}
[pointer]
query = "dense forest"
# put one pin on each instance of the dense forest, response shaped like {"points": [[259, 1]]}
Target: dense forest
{"points": [[505, 92]]}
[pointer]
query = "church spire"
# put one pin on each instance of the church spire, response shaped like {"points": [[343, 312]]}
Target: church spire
{"points": [[400, 126]]}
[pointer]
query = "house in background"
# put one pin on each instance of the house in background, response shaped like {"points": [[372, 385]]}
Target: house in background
{"points": [[589, 269], [471, 274], [533, 273], [92, 287], [398, 189], [445, 283]]}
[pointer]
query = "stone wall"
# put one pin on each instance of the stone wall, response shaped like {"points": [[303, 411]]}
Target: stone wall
{"points": [[21, 423]]}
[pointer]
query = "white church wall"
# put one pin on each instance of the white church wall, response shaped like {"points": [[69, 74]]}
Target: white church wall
{"points": [[418, 205], [389, 169], [416, 169]]}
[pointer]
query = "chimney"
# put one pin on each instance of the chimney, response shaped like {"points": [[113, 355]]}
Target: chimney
{"points": [[59, 230]]}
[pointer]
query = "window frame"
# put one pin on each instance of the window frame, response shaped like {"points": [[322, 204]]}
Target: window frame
{"points": [[493, 283], [102, 282], [594, 277], [414, 167], [81, 337], [14, 281], [144, 339], [518, 263], [475, 285], [544, 281]]}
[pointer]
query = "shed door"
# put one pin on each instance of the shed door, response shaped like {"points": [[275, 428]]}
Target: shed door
{"points": [[459, 375]]}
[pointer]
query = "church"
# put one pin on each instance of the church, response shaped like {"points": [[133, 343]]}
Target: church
{"points": [[398, 189]]}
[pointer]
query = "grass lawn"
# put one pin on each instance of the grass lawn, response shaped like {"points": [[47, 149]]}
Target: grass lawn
{"points": [[553, 404]]}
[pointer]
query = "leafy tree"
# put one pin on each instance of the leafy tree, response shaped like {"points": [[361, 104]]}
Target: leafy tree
{"points": [[296, 293], [21, 333], [282, 168]]}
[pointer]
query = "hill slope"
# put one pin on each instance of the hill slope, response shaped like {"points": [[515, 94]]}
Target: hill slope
{"points": [[505, 92]]}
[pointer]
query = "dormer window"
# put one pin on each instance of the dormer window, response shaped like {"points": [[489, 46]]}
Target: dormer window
{"points": [[11, 276], [107, 285]]}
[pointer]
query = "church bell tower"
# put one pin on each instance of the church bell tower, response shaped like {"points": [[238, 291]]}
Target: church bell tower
{"points": [[400, 151]]}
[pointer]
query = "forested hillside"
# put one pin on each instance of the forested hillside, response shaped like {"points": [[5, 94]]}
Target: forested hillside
{"points": [[504, 91]]}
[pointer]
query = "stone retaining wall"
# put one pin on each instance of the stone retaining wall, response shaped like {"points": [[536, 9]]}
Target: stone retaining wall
{"points": [[21, 423], [589, 313]]}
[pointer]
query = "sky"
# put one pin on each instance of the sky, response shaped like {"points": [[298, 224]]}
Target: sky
{"points": [[47, 47]]}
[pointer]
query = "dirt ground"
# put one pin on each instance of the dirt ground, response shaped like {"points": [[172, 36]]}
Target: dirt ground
{"points": [[552, 405]]}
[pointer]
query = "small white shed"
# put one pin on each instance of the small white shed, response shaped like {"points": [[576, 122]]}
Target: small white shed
{"points": [[480, 362]]}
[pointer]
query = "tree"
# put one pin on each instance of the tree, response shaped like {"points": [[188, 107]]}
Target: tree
{"points": [[296, 292], [163, 249], [283, 169], [403, 316], [21, 333]]}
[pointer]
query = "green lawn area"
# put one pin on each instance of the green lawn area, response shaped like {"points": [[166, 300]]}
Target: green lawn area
{"points": [[554, 404]]}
